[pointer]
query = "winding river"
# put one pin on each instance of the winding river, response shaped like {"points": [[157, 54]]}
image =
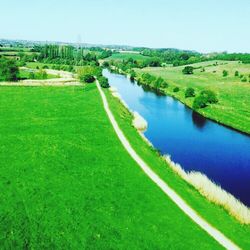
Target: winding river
{"points": [[193, 141]]}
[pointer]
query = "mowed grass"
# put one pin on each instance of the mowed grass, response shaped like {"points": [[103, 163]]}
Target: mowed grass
{"points": [[67, 182], [233, 108], [214, 214], [126, 56]]}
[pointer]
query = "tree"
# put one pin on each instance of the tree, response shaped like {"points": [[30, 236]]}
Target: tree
{"points": [[8, 70], [225, 73], [88, 78], [199, 102], [210, 96], [176, 89], [132, 75], [103, 82], [206, 97], [188, 70], [190, 92]]}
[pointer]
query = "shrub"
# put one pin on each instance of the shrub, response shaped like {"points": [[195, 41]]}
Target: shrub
{"points": [[236, 73], [210, 96], [244, 79], [206, 97], [188, 70], [42, 74], [176, 89], [104, 82], [199, 102], [45, 67], [190, 92], [31, 75], [8, 70], [132, 75], [88, 78], [225, 73]]}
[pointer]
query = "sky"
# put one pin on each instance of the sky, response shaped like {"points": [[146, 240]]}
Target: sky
{"points": [[201, 25]]}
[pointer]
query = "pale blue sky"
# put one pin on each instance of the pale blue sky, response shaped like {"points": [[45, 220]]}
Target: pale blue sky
{"points": [[202, 25]]}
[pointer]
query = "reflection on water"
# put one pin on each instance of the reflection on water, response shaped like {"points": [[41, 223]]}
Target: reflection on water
{"points": [[198, 120]]}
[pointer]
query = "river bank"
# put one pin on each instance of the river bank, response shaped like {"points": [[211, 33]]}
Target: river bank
{"points": [[186, 101]]}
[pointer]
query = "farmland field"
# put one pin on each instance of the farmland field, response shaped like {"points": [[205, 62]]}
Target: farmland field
{"points": [[233, 108]]}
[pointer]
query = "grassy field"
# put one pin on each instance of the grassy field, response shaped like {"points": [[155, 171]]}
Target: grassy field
{"points": [[126, 56], [67, 182], [233, 108]]}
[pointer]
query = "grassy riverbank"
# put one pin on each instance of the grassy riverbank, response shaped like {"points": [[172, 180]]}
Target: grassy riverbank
{"points": [[233, 93], [67, 182], [214, 214]]}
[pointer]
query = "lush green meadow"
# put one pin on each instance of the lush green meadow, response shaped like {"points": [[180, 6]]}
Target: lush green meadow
{"points": [[233, 108], [67, 182]]}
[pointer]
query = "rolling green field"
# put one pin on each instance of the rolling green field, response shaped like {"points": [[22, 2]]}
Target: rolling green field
{"points": [[126, 56], [233, 108], [67, 182]]}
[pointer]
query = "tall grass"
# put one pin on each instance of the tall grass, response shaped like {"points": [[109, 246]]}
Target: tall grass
{"points": [[213, 192]]}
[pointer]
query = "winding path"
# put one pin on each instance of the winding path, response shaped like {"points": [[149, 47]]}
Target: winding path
{"points": [[213, 232]]}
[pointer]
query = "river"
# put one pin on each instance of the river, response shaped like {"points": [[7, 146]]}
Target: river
{"points": [[196, 143]]}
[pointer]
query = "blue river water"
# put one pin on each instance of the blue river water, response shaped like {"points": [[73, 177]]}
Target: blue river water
{"points": [[191, 140]]}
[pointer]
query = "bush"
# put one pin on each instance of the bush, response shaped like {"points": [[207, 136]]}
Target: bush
{"points": [[188, 70], [104, 82], [176, 89], [199, 102], [244, 79], [8, 70], [210, 96], [236, 73], [88, 78], [189, 92], [206, 97], [132, 75], [31, 75], [225, 73], [45, 67]]}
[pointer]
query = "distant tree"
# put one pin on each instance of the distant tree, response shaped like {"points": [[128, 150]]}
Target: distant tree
{"points": [[199, 102], [225, 73], [244, 79], [88, 78], [190, 92], [236, 73], [210, 96], [132, 75], [176, 89], [104, 82], [8, 70], [206, 97], [188, 70], [105, 64], [31, 75]]}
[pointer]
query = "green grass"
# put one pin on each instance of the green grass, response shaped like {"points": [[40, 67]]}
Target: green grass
{"points": [[233, 108], [214, 214], [126, 56], [67, 182]]}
